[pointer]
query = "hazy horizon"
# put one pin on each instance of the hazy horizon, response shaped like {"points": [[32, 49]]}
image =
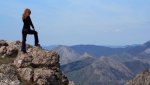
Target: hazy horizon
{"points": [[74, 22]]}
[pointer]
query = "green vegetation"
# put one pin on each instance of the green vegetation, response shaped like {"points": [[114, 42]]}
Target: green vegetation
{"points": [[6, 60]]}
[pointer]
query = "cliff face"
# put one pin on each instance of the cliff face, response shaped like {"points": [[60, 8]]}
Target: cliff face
{"points": [[141, 79], [37, 66]]}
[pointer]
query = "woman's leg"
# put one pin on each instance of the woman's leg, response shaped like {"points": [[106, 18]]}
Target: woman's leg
{"points": [[23, 48], [35, 36]]}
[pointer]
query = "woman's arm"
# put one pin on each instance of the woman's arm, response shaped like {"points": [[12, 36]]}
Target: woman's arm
{"points": [[31, 23]]}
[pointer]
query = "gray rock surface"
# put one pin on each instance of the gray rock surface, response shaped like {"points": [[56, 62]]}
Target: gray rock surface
{"points": [[8, 75], [140, 79], [40, 67], [26, 73], [3, 43], [10, 49], [37, 66], [23, 60]]}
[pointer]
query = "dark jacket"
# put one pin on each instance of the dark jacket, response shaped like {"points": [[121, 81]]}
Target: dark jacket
{"points": [[27, 23]]}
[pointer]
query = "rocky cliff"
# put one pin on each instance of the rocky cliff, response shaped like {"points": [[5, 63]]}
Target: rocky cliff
{"points": [[36, 67], [141, 79]]}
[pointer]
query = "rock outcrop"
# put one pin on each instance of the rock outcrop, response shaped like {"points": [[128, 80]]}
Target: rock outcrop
{"points": [[36, 67], [140, 79], [10, 49], [8, 75]]}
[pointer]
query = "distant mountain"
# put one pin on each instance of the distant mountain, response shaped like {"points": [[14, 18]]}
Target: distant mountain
{"points": [[101, 71], [102, 65], [137, 66], [67, 54], [77, 65], [73, 53], [50, 47], [147, 43], [98, 51]]}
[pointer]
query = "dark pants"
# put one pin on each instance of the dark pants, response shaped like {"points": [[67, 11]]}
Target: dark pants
{"points": [[24, 35]]}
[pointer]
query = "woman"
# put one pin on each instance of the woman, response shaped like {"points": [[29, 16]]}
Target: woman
{"points": [[27, 30]]}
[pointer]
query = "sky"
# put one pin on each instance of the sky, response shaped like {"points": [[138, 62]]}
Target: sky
{"points": [[73, 22]]}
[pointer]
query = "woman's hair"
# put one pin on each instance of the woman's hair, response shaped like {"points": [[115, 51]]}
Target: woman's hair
{"points": [[26, 13]]}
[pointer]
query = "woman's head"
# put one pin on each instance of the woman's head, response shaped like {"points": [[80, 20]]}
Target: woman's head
{"points": [[26, 13]]}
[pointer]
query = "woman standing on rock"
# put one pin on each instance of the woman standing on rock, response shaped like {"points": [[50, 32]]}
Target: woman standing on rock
{"points": [[27, 30]]}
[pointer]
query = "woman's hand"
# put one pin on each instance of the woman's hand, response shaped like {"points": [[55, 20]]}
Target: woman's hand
{"points": [[33, 29]]}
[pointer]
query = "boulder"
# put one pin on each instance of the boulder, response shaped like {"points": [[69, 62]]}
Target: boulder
{"points": [[23, 60], [26, 73], [8, 75], [71, 83], [3, 50], [36, 67], [43, 76], [3, 43], [10, 49], [40, 67], [140, 79]]}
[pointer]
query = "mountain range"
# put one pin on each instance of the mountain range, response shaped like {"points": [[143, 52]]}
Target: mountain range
{"points": [[125, 53], [103, 65]]}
